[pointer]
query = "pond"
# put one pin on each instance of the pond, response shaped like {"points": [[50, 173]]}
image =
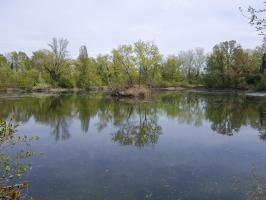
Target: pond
{"points": [[178, 145]]}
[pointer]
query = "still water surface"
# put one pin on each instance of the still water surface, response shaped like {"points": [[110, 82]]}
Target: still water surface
{"points": [[171, 146]]}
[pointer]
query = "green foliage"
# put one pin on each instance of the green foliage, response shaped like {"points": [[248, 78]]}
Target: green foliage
{"points": [[6, 77], [26, 79], [56, 111], [192, 64], [54, 61], [145, 132], [103, 69], [87, 73], [86, 70], [148, 60], [171, 70], [18, 61], [123, 70], [12, 163], [261, 84], [41, 60], [124, 65], [3, 61], [227, 66], [67, 77]]}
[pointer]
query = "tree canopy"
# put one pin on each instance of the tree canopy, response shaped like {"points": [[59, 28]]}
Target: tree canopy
{"points": [[131, 65]]}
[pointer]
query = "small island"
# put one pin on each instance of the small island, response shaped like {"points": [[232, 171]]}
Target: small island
{"points": [[140, 92]]}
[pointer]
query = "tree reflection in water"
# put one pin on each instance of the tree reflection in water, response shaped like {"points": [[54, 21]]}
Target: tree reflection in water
{"points": [[262, 121], [59, 122], [139, 127], [136, 122]]}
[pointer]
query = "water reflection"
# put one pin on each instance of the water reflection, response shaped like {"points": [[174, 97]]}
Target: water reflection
{"points": [[136, 123], [252, 187], [139, 127]]}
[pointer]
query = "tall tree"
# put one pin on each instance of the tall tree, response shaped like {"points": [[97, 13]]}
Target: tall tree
{"points": [[6, 74], [3, 61], [87, 70], [18, 60], [148, 60], [103, 68], [193, 63], [83, 53], [227, 66], [124, 59], [257, 55], [171, 69], [83, 68], [199, 60], [59, 54], [187, 67]]}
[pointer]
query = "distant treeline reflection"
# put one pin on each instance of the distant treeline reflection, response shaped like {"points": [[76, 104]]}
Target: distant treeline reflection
{"points": [[136, 122]]}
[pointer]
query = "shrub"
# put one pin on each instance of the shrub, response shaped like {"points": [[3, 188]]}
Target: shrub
{"points": [[67, 78], [26, 79], [6, 77], [261, 85]]}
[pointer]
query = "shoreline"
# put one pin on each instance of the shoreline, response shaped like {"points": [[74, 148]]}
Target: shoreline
{"points": [[107, 90]]}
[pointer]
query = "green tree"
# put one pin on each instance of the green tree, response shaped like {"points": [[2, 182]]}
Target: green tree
{"points": [[18, 61], [3, 61], [83, 68], [42, 60], [199, 61], [188, 70], [117, 75], [103, 68], [56, 58], [13, 161], [259, 52], [6, 77], [171, 69], [227, 66], [6, 74], [124, 60], [193, 62], [87, 70], [148, 61], [26, 79]]}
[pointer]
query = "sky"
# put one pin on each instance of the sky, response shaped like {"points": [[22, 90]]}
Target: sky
{"points": [[101, 25]]}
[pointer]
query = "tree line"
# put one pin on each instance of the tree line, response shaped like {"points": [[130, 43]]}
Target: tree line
{"points": [[138, 64]]}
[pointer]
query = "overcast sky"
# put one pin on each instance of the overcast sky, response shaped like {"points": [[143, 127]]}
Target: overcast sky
{"points": [[102, 25]]}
